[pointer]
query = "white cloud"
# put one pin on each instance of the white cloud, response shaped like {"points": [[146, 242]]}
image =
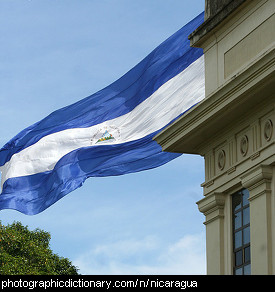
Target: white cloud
{"points": [[146, 256]]}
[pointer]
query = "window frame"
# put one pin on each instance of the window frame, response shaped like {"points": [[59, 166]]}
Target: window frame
{"points": [[244, 266]]}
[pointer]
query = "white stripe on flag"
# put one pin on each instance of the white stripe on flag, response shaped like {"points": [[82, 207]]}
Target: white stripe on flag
{"points": [[173, 98]]}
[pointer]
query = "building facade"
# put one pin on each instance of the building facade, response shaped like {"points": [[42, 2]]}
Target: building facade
{"points": [[233, 128]]}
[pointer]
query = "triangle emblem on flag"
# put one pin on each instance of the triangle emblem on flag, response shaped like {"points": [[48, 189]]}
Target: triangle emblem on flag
{"points": [[106, 136]]}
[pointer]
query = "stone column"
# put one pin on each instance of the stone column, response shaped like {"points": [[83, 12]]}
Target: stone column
{"points": [[258, 182], [212, 206]]}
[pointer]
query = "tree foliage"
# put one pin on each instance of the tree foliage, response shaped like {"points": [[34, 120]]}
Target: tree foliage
{"points": [[25, 252]]}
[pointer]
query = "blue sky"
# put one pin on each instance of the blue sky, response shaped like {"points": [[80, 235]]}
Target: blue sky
{"points": [[55, 52]]}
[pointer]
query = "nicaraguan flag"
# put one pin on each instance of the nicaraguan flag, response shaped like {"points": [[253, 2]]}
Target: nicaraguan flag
{"points": [[108, 133]]}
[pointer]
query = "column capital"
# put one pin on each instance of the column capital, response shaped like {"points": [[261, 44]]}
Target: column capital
{"points": [[212, 206], [259, 178]]}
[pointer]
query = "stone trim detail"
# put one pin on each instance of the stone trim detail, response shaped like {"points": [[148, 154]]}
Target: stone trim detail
{"points": [[221, 159], [258, 181], [244, 145], [212, 206], [268, 130]]}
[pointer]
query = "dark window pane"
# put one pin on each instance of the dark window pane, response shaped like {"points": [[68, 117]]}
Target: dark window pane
{"points": [[237, 201], [239, 258], [238, 220], [238, 239], [241, 232], [239, 271], [247, 270], [246, 216], [246, 235], [247, 254], [245, 197]]}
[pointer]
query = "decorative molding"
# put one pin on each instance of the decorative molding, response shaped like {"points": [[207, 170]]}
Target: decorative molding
{"points": [[255, 155], [239, 147], [212, 206], [231, 170], [211, 202], [258, 181], [207, 184], [231, 151], [268, 130], [256, 135], [217, 111], [221, 159], [244, 145]]}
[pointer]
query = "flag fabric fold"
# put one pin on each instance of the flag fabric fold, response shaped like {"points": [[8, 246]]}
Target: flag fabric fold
{"points": [[108, 133]]}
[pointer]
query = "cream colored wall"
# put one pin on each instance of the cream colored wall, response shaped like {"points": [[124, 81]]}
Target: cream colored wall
{"points": [[254, 171], [230, 129], [258, 181], [241, 155], [230, 49], [249, 128]]}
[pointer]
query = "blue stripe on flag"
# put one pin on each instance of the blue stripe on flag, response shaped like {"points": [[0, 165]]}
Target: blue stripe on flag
{"points": [[34, 193]]}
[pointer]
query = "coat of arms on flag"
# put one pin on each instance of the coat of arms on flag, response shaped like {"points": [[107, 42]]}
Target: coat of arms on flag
{"points": [[105, 137], [106, 134]]}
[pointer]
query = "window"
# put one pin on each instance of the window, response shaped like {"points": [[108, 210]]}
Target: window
{"points": [[241, 233]]}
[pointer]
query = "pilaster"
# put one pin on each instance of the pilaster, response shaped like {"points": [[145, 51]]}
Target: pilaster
{"points": [[258, 182], [213, 208]]}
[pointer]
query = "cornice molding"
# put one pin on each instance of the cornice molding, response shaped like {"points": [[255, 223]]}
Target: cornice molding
{"points": [[190, 131]]}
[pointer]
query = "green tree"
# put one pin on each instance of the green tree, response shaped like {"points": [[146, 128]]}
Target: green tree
{"points": [[25, 252]]}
